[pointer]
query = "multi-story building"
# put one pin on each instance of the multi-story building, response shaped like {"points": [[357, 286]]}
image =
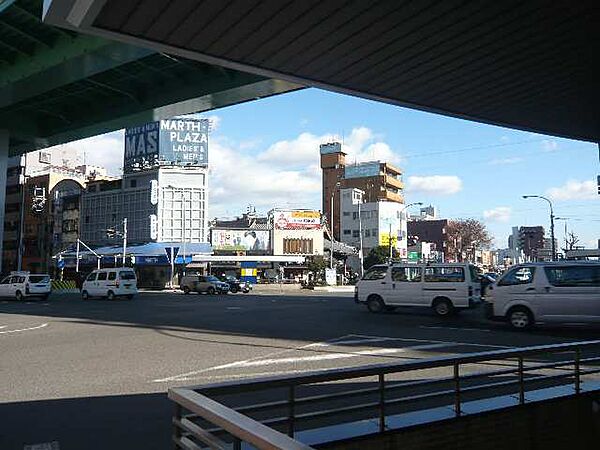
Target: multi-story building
{"points": [[379, 220], [167, 204], [164, 190], [531, 242], [163, 195], [380, 181], [42, 208], [432, 231]]}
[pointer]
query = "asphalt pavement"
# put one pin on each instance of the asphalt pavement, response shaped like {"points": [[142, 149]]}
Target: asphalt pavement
{"points": [[95, 374]]}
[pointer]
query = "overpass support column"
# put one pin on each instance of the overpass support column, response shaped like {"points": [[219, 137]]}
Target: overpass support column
{"points": [[3, 167]]}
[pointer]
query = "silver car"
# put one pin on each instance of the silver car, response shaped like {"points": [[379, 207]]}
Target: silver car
{"points": [[203, 284]]}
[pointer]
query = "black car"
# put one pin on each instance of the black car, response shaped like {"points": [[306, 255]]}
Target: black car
{"points": [[236, 285]]}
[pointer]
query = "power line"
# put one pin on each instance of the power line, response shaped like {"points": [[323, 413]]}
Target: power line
{"points": [[468, 149]]}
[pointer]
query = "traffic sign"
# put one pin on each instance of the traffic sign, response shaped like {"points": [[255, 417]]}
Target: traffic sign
{"points": [[171, 251], [60, 264]]}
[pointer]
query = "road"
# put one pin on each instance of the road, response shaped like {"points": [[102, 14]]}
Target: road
{"points": [[95, 374]]}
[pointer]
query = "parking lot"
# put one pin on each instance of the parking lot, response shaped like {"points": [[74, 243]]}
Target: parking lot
{"points": [[94, 374]]}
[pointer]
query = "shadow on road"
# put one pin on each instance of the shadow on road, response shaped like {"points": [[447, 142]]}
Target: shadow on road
{"points": [[93, 423]]}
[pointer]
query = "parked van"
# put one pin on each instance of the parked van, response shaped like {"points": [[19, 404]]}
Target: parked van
{"points": [[445, 287], [549, 292], [22, 285], [110, 283]]}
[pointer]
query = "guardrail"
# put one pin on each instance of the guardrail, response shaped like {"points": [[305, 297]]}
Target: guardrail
{"points": [[200, 420]]}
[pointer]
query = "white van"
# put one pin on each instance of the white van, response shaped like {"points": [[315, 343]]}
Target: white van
{"points": [[445, 287], [21, 285], [549, 292], [110, 283]]}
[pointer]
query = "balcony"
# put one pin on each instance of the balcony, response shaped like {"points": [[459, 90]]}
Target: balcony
{"points": [[391, 196], [392, 181]]}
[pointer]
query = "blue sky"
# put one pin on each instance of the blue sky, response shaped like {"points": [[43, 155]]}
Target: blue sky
{"points": [[265, 153]]}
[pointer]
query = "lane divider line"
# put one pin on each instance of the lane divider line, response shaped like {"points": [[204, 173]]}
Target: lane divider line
{"points": [[25, 329]]}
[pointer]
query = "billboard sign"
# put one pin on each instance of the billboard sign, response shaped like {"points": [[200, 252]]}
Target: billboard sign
{"points": [[297, 220], [360, 170], [179, 142], [184, 141], [240, 240]]}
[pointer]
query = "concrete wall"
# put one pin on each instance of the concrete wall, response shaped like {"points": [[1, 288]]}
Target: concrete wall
{"points": [[567, 423]]}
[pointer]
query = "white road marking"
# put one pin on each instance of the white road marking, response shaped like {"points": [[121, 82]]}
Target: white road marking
{"points": [[458, 329], [25, 329], [328, 356], [269, 359], [184, 376], [233, 307], [433, 340]]}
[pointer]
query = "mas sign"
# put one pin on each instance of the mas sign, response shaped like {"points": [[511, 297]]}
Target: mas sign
{"points": [[179, 142]]}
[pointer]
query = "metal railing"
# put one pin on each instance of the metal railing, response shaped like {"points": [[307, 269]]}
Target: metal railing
{"points": [[201, 421]]}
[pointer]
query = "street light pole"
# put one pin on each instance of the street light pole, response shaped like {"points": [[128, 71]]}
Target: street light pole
{"points": [[332, 238], [360, 236], [551, 222], [402, 215], [337, 185]]}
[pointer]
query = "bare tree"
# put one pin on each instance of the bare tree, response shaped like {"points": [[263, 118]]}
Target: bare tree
{"points": [[465, 236], [571, 241]]}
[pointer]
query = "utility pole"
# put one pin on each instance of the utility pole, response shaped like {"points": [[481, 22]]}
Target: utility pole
{"points": [[337, 185], [551, 222], [22, 218], [390, 243], [124, 240], [332, 238], [361, 236], [77, 257]]}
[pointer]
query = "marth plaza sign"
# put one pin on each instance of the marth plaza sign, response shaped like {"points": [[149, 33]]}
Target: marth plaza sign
{"points": [[182, 142]]}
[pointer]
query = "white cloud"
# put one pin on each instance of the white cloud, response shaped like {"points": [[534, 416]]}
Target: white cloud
{"points": [[361, 145], [287, 173], [498, 214], [506, 161], [574, 190], [434, 184], [302, 150], [214, 121], [549, 145], [239, 178]]}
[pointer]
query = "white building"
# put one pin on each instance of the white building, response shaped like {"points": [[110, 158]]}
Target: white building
{"points": [[162, 205], [378, 220]]}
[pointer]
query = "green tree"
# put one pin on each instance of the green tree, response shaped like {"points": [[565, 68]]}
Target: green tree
{"points": [[317, 264], [379, 255]]}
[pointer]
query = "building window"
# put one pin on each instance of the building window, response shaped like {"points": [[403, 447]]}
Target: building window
{"points": [[347, 232], [297, 246], [355, 233], [346, 213], [132, 183], [354, 215], [367, 233], [374, 232]]}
